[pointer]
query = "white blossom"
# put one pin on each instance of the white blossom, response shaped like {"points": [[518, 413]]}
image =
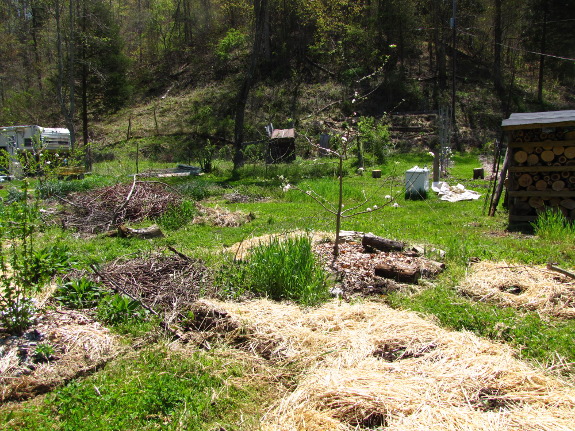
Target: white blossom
{"points": [[387, 197], [395, 205]]}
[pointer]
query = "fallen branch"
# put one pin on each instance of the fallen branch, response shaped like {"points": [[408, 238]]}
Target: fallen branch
{"points": [[552, 267]]}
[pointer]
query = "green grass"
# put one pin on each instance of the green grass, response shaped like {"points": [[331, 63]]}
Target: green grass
{"points": [[284, 269], [154, 389]]}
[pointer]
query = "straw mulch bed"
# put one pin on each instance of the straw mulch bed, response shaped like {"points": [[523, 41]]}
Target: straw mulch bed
{"points": [[80, 344], [366, 365], [521, 286], [107, 208], [221, 217]]}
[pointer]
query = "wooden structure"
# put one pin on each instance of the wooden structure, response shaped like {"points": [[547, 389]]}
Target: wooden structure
{"points": [[541, 172], [281, 147]]}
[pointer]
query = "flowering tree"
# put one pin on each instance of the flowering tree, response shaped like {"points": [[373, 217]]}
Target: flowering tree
{"points": [[337, 209]]}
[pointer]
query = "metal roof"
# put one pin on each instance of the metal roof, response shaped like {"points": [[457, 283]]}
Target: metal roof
{"points": [[535, 120], [283, 134]]}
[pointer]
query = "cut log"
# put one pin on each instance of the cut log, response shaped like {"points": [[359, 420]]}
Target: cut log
{"points": [[370, 241], [569, 152], [520, 156], [532, 159], [558, 150], [399, 272], [525, 180], [536, 202], [558, 185], [568, 203], [148, 232], [376, 173], [541, 185], [547, 156], [478, 173]]}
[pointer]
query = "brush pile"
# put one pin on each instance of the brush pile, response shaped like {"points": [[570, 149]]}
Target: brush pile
{"points": [[521, 286], [365, 365], [164, 283], [107, 208], [79, 345]]}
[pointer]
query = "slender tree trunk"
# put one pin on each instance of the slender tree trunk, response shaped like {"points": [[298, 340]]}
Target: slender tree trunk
{"points": [[85, 71], [542, 56], [260, 11], [498, 39]]}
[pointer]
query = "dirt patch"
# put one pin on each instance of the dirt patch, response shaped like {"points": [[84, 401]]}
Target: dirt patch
{"points": [[79, 345], [454, 380], [521, 286]]}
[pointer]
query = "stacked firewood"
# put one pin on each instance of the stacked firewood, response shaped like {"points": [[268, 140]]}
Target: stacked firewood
{"points": [[543, 171]]}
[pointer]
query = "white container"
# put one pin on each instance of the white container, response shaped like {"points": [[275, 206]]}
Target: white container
{"points": [[416, 183]]}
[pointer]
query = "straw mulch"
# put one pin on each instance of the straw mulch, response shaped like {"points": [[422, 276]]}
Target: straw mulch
{"points": [[366, 365], [521, 286], [221, 217], [80, 345]]}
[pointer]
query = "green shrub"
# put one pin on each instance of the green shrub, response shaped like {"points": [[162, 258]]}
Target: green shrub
{"points": [[117, 309], [80, 293], [195, 190], [284, 269]]}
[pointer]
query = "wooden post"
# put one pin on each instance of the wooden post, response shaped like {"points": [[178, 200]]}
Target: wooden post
{"points": [[436, 167], [478, 173]]}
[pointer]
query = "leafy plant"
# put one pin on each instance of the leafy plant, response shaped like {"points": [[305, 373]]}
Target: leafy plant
{"points": [[43, 352], [79, 293], [117, 309], [18, 266]]}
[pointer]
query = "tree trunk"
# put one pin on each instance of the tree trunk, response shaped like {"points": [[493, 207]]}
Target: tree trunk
{"points": [[399, 272], [542, 56], [260, 10], [498, 40]]}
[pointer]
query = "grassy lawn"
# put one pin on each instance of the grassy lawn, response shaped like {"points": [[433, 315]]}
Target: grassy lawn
{"points": [[156, 388]]}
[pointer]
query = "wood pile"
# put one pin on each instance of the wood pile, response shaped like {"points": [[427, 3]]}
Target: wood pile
{"points": [[542, 172]]}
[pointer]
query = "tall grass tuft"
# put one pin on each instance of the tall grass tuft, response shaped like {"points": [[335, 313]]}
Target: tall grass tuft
{"points": [[553, 226], [284, 269]]}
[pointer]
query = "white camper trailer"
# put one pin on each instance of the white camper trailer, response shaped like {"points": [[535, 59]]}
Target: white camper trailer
{"points": [[34, 139]]}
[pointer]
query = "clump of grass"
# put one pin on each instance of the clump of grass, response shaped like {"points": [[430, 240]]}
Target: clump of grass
{"points": [[178, 216], [284, 269], [553, 226]]}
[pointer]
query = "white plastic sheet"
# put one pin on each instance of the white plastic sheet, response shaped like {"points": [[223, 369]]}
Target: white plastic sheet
{"points": [[454, 193]]}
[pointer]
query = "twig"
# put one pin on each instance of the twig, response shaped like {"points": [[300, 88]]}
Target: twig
{"points": [[182, 255], [117, 212], [552, 267]]}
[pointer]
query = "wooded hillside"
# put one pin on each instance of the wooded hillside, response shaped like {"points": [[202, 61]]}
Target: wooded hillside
{"points": [[74, 62]]}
